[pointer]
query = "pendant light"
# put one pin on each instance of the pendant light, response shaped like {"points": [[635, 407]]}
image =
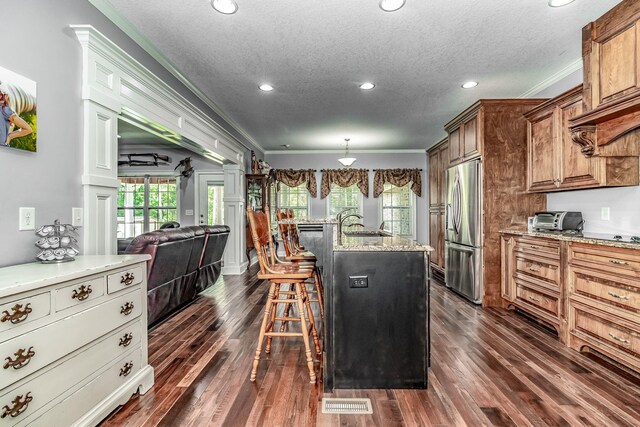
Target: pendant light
{"points": [[346, 160]]}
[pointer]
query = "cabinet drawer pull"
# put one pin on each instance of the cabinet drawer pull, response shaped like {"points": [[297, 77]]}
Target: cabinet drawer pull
{"points": [[535, 270], [82, 293], [534, 299], [19, 314], [127, 279], [126, 370], [618, 296], [615, 261], [622, 340], [126, 340], [22, 359], [19, 406], [534, 247], [127, 308]]}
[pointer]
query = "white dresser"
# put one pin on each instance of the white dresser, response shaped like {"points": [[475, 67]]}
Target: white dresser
{"points": [[73, 340]]}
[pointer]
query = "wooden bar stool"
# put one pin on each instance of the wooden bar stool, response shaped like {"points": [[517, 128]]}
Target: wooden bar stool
{"points": [[295, 252], [277, 274]]}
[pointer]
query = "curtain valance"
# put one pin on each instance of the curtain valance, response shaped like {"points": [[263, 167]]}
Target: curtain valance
{"points": [[344, 178], [399, 178], [294, 178]]}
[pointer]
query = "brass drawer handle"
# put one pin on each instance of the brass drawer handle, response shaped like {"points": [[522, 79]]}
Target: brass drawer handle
{"points": [[622, 340], [19, 406], [127, 279], [22, 359], [534, 299], [535, 270], [18, 314], [618, 296], [127, 308], [126, 340], [615, 261], [534, 247], [82, 293], [126, 370]]}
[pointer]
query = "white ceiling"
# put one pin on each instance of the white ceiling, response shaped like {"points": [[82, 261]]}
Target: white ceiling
{"points": [[316, 53]]}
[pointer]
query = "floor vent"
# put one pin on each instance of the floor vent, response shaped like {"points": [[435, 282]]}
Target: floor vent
{"points": [[346, 406]]}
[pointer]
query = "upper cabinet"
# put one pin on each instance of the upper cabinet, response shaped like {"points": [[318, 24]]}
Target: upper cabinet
{"points": [[438, 159], [554, 161], [464, 141]]}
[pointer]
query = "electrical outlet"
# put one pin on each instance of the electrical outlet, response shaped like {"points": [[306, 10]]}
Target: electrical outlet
{"points": [[358, 281], [76, 217], [605, 214], [27, 219]]}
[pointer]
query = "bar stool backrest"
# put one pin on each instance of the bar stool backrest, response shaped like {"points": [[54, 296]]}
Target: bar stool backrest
{"points": [[262, 239], [285, 230]]}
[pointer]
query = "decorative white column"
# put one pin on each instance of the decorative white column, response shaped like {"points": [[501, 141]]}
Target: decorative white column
{"points": [[234, 217]]}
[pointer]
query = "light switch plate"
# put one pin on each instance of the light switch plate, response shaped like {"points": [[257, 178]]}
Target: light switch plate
{"points": [[27, 219], [76, 217], [188, 212], [605, 214]]}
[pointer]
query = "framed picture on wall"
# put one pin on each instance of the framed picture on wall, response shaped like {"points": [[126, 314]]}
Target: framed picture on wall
{"points": [[18, 112]]}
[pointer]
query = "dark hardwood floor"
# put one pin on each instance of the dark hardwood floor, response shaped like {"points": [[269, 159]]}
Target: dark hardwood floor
{"points": [[489, 367]]}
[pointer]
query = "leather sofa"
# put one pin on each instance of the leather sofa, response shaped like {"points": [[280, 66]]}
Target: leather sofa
{"points": [[184, 261]]}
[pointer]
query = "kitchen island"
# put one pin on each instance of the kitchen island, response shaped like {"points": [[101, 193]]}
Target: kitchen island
{"points": [[376, 329]]}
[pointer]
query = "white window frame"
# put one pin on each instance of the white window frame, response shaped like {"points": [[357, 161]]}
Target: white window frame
{"points": [[360, 201], [412, 211], [276, 202], [158, 174]]}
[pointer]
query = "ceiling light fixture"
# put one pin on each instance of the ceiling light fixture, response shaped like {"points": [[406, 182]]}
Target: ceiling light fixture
{"points": [[266, 87], [367, 86], [391, 5], [346, 160], [228, 7], [469, 85], [559, 3]]}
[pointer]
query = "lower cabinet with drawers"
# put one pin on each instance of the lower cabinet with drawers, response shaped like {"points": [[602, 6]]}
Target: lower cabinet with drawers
{"points": [[73, 340], [589, 292]]}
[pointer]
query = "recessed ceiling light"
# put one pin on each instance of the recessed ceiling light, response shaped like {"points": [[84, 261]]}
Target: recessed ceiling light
{"points": [[559, 3], [266, 88], [367, 86], [228, 7], [391, 5], [469, 85]]}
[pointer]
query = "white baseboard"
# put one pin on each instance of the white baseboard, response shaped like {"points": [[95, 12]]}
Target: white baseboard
{"points": [[234, 270]]}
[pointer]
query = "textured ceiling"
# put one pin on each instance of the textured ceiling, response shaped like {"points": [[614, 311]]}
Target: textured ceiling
{"points": [[316, 53]]}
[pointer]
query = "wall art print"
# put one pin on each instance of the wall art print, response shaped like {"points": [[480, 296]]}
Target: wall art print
{"points": [[18, 118]]}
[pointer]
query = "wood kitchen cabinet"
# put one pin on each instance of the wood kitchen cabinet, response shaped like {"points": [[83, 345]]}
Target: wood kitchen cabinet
{"points": [[438, 160], [555, 162], [464, 141]]}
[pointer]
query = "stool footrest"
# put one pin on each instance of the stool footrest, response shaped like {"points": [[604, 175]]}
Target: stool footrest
{"points": [[283, 334]]}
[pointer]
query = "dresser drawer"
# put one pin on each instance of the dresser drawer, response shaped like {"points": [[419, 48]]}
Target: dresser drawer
{"points": [[34, 350], [624, 262], [79, 293], [606, 290], [539, 246], [538, 268], [540, 300], [24, 310], [124, 279], [46, 387], [67, 412], [612, 332]]}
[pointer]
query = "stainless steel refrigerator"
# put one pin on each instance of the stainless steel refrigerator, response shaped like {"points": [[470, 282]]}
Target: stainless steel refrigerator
{"points": [[463, 232]]}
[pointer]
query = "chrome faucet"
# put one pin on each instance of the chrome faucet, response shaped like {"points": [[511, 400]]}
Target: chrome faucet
{"points": [[343, 218]]}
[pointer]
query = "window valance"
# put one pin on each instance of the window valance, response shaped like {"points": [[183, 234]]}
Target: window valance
{"points": [[399, 178], [294, 178], [344, 178]]}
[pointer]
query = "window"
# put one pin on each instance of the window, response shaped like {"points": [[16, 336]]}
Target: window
{"points": [[397, 209], [294, 198], [145, 203], [345, 198]]}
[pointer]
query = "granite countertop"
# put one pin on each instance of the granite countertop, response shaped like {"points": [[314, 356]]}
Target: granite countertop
{"points": [[379, 244], [591, 238], [328, 220]]}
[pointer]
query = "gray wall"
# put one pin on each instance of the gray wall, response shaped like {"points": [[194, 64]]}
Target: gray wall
{"points": [[187, 185], [39, 45], [368, 161], [624, 202]]}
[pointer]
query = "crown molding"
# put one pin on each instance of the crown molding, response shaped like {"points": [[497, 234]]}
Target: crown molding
{"points": [[554, 78], [412, 151], [121, 22]]}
